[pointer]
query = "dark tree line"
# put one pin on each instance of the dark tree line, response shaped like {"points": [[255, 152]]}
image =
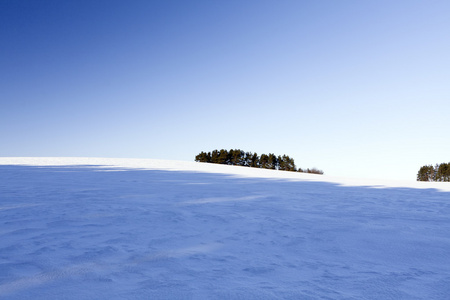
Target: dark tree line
{"points": [[440, 172], [238, 157]]}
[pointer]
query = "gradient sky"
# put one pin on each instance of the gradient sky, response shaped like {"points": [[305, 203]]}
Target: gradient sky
{"points": [[356, 88]]}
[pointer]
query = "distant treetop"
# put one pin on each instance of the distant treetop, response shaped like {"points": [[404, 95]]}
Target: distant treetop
{"points": [[437, 173], [238, 157]]}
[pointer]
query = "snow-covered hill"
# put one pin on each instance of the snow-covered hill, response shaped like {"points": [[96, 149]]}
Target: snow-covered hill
{"points": [[96, 228]]}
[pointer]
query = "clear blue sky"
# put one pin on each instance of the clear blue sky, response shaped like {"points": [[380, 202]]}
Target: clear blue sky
{"points": [[356, 88]]}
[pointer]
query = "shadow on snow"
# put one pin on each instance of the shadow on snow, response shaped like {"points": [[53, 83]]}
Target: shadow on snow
{"points": [[110, 233]]}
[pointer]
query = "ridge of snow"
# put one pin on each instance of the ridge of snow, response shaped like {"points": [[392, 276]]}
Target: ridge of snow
{"points": [[189, 166]]}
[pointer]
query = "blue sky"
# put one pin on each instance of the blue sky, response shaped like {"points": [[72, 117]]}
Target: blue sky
{"points": [[356, 88]]}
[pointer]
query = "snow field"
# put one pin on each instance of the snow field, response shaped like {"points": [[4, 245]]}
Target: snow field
{"points": [[144, 229]]}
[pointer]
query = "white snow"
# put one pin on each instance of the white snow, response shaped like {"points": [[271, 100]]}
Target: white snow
{"points": [[98, 228]]}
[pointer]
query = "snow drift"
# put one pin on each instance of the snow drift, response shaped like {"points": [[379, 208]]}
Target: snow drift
{"points": [[92, 228]]}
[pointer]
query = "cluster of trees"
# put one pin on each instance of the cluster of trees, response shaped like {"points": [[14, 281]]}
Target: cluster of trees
{"points": [[238, 157], [440, 172]]}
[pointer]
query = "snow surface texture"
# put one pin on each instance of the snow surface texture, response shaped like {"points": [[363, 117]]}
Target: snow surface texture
{"points": [[88, 228]]}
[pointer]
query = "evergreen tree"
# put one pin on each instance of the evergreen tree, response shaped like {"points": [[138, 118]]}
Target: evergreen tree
{"points": [[215, 157], [203, 157], [254, 162], [447, 172], [236, 157], [426, 173], [230, 157], [264, 161], [241, 158], [273, 162], [286, 163], [291, 164], [248, 159], [222, 157], [443, 173], [280, 163]]}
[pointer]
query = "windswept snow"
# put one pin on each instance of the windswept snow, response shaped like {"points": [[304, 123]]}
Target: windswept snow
{"points": [[97, 228]]}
